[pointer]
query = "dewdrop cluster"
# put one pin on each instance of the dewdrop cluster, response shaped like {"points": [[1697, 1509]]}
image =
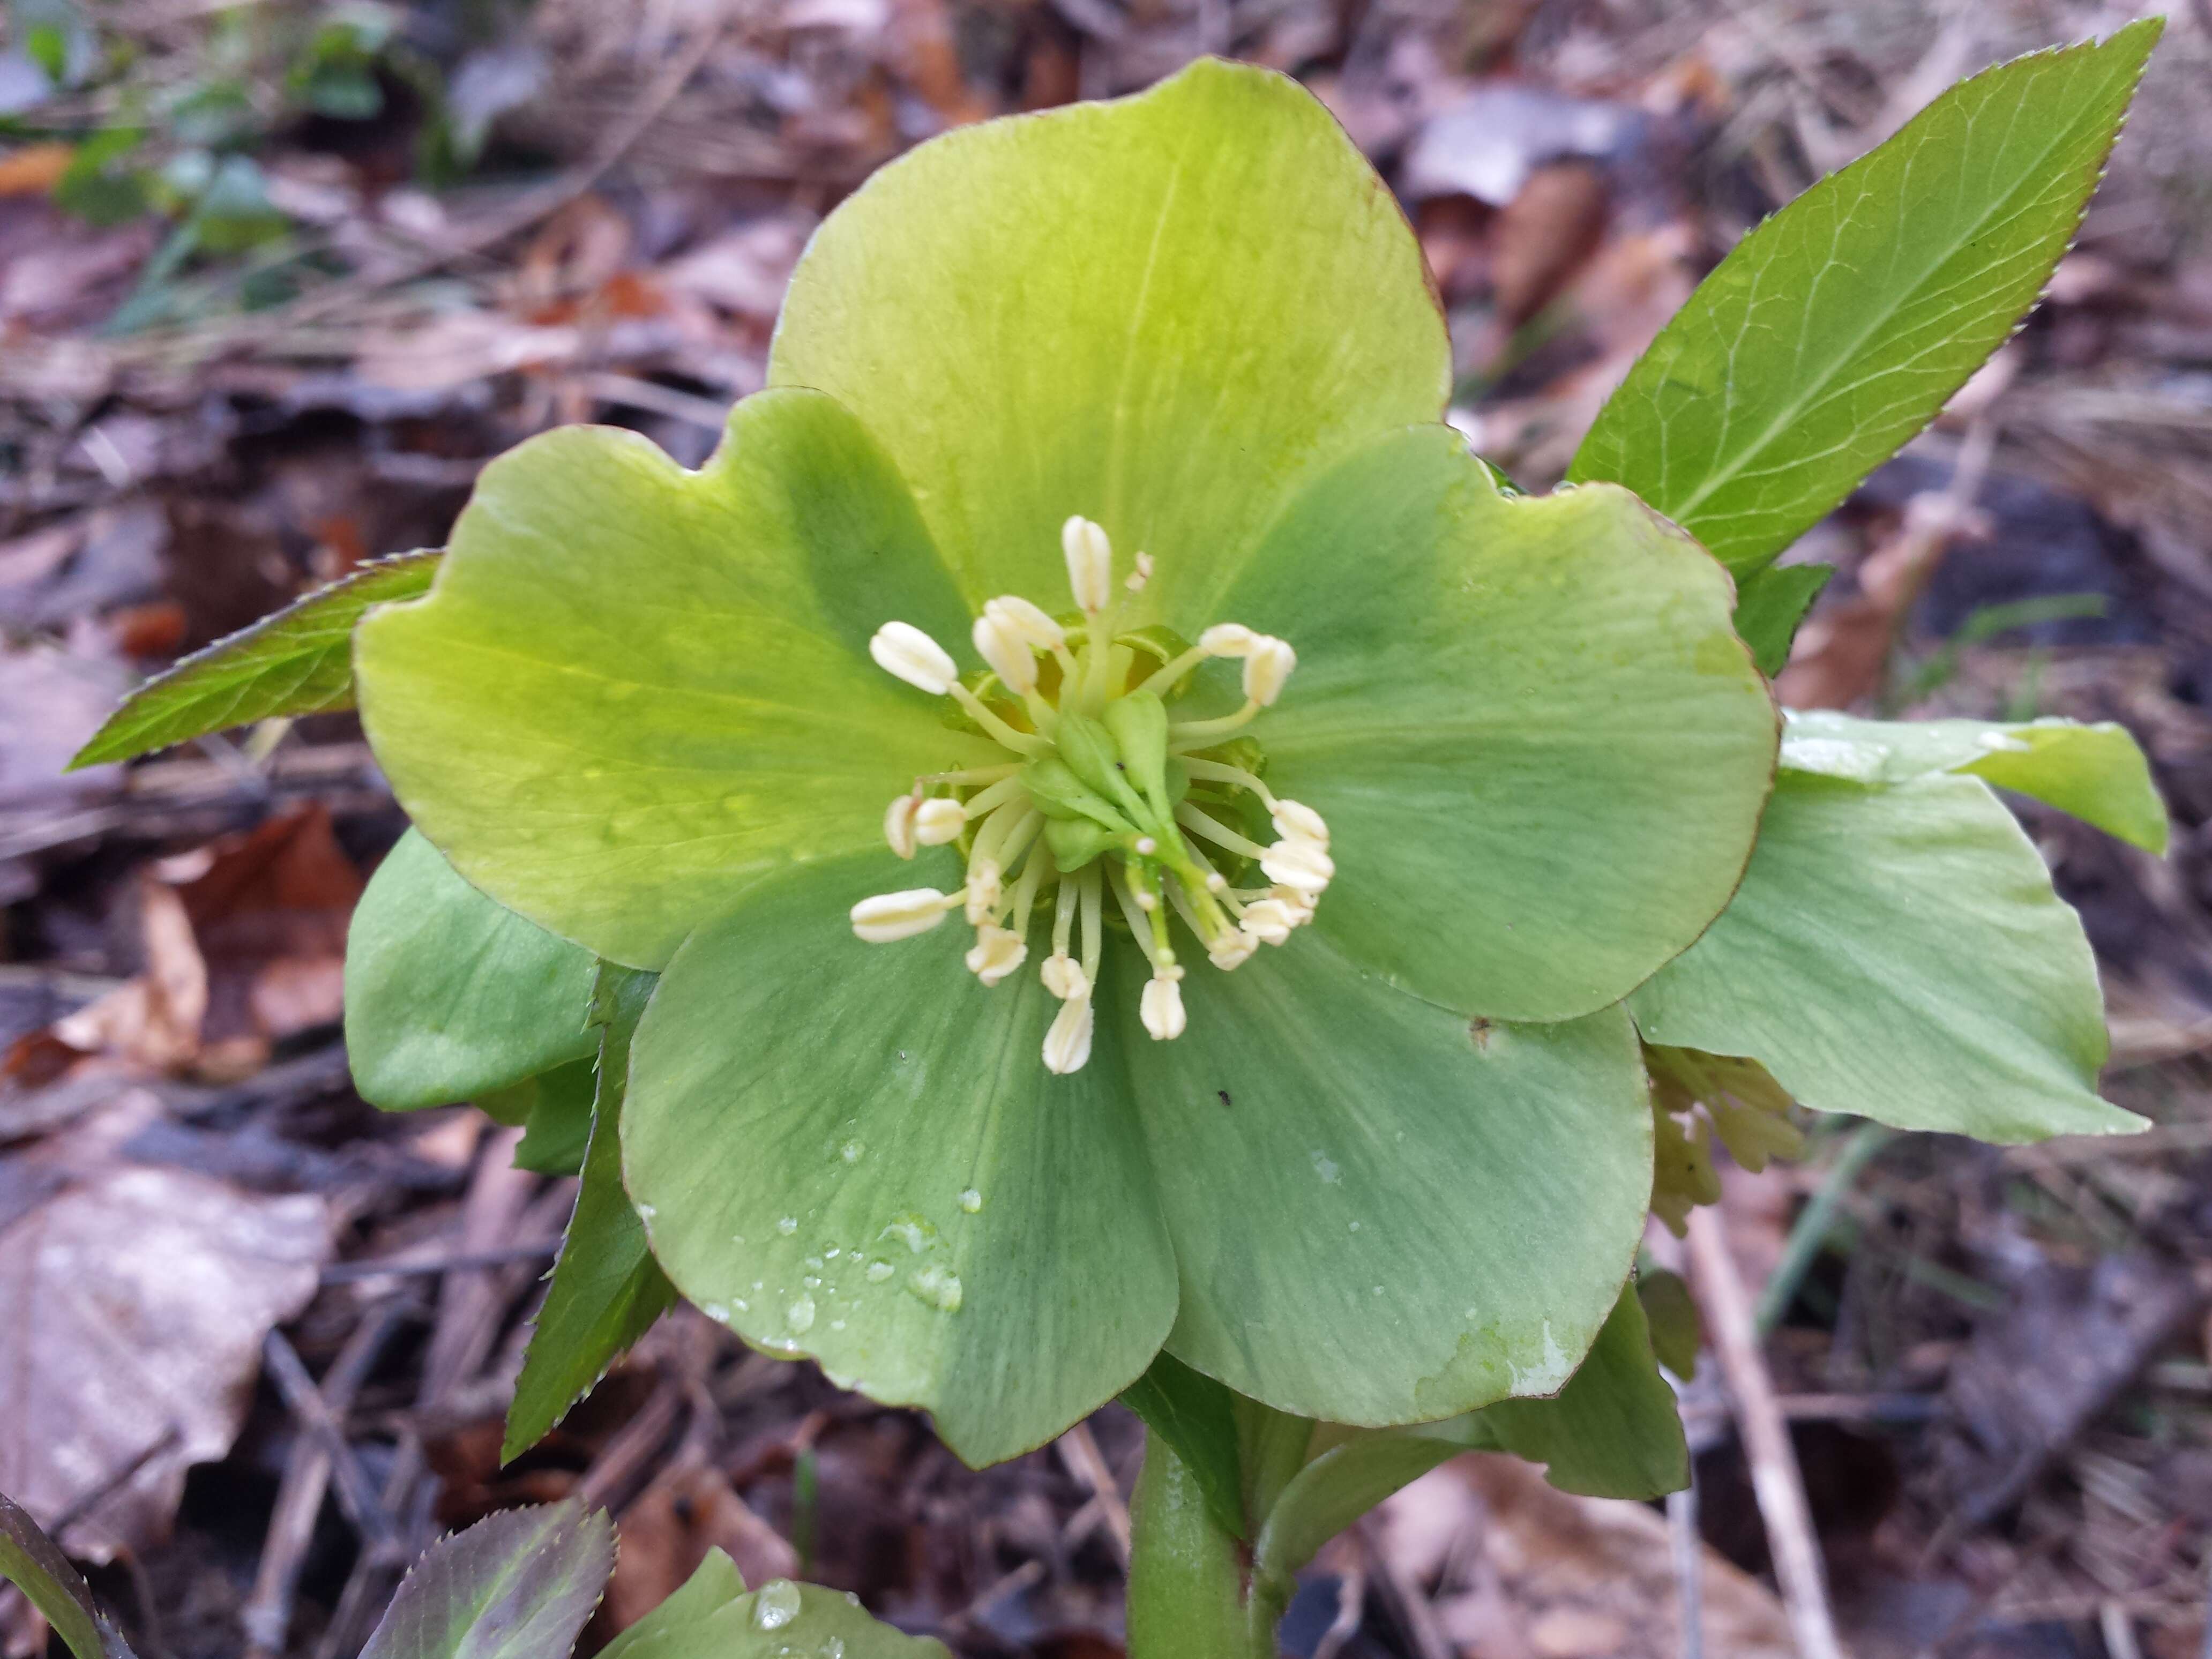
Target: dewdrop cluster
{"points": [[1103, 792]]}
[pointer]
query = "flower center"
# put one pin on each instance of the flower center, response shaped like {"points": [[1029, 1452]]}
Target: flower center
{"points": [[1105, 793]]}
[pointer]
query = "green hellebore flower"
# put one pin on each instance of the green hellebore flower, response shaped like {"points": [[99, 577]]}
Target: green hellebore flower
{"points": [[1288, 1034]]}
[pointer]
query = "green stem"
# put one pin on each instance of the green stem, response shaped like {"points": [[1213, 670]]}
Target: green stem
{"points": [[1191, 1593]]}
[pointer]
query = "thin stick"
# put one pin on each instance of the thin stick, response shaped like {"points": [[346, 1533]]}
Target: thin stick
{"points": [[1689, 1559], [1078, 1451], [1775, 1478]]}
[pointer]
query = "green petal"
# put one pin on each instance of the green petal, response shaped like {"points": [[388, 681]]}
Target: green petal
{"points": [[447, 995], [706, 1619], [1162, 312], [635, 690], [854, 1151], [1613, 1431], [2097, 772], [1379, 1214], [1540, 748], [1897, 951]]}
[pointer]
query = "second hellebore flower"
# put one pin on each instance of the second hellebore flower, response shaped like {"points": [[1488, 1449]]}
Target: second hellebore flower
{"points": [[1143, 838]]}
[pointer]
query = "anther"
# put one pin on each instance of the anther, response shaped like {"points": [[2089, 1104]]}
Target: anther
{"points": [[1299, 865], [1026, 622], [1232, 950], [1267, 665], [899, 826], [1228, 640], [902, 650], [1295, 821], [984, 890], [1068, 1042], [1270, 921], [1064, 977], [1141, 574], [888, 917], [938, 821], [1090, 564], [998, 951], [1008, 653], [1161, 1009]]}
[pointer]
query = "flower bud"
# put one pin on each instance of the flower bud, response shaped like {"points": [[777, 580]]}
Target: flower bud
{"points": [[888, 917], [898, 826], [1006, 652], [1068, 1042], [1026, 622], [1090, 564], [1161, 1009], [938, 821], [902, 650], [1266, 666]]}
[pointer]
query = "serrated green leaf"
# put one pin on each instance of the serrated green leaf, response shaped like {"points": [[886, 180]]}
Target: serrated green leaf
{"points": [[1197, 1416], [1611, 1431], [517, 1585], [1837, 329], [556, 1112], [30, 1560], [1896, 952], [607, 1290], [297, 661], [448, 996], [1771, 606], [2097, 772]]}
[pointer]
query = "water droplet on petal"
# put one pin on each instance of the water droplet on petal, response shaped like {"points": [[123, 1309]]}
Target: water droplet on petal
{"points": [[1326, 1167], [971, 1201], [880, 1271], [937, 1286], [852, 1151], [775, 1604], [800, 1315], [788, 1225]]}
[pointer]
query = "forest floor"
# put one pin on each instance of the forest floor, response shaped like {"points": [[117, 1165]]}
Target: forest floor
{"points": [[274, 282]]}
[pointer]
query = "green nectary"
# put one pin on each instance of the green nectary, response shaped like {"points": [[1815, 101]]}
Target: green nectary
{"points": [[1394, 1171]]}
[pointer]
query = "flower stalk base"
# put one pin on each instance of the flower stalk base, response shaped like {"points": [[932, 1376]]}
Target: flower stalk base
{"points": [[1192, 1592]]}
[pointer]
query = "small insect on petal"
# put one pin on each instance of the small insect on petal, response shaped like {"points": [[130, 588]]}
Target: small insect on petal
{"points": [[902, 650], [1161, 1009], [898, 826], [888, 917], [1299, 865], [1067, 1043], [1090, 564], [938, 821], [1063, 976], [1295, 821], [998, 951], [1267, 665], [1227, 640], [1008, 653]]}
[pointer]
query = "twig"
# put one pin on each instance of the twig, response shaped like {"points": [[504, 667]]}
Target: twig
{"points": [[430, 1267], [321, 1448], [1775, 1478], [2115, 1624], [1079, 1454], [1415, 1617], [1351, 1605], [1689, 1562]]}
